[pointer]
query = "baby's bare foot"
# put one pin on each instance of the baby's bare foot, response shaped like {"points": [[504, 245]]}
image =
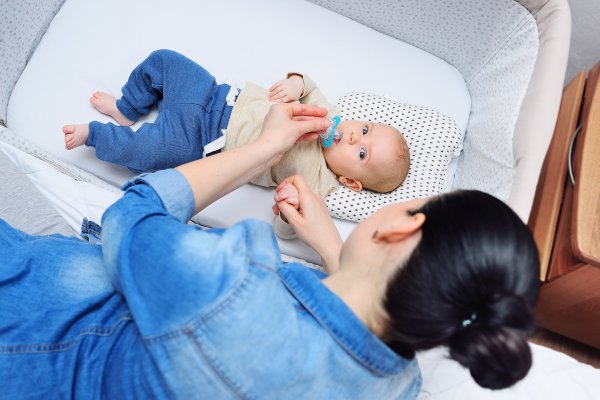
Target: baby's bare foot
{"points": [[107, 105], [75, 135]]}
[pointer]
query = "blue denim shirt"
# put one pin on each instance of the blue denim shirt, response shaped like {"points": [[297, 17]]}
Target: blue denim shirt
{"points": [[170, 311]]}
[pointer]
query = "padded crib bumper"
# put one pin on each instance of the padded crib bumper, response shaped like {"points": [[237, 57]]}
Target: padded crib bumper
{"points": [[513, 57], [23, 25]]}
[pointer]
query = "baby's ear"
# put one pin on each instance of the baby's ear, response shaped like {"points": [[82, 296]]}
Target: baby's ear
{"points": [[350, 183]]}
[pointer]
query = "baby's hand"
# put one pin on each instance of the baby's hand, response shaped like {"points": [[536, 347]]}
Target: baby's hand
{"points": [[288, 193], [287, 90]]}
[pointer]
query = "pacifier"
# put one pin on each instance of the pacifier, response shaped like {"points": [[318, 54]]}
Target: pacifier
{"points": [[331, 133]]}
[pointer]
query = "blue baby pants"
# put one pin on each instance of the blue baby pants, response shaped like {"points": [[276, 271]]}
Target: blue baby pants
{"points": [[192, 110]]}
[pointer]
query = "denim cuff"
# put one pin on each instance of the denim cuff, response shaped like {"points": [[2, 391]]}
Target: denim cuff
{"points": [[127, 110], [172, 188], [91, 231]]}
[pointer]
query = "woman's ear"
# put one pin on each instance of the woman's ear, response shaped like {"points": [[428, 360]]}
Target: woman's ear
{"points": [[353, 184], [400, 230]]}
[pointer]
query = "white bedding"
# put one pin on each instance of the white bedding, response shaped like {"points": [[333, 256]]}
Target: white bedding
{"points": [[235, 40], [553, 376]]}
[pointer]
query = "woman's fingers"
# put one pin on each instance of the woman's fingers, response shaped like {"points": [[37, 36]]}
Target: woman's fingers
{"points": [[309, 119], [312, 127], [290, 212], [309, 137], [311, 221], [299, 109], [299, 182], [280, 131]]}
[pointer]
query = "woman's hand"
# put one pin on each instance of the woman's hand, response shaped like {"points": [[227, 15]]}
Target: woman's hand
{"points": [[288, 193], [286, 124], [213, 177], [287, 90], [311, 221]]}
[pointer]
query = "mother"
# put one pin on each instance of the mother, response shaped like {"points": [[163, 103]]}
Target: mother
{"points": [[167, 310]]}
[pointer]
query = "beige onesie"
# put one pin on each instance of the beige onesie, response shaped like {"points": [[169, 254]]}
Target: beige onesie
{"points": [[304, 158]]}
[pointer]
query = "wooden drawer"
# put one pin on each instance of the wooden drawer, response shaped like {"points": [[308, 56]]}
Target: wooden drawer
{"points": [[565, 218]]}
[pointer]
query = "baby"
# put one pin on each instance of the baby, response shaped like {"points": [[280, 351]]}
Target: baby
{"points": [[198, 117]]}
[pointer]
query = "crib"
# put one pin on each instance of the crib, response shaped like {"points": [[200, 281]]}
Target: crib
{"points": [[495, 68]]}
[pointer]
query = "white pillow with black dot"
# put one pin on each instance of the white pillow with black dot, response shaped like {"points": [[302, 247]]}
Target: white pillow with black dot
{"points": [[433, 140]]}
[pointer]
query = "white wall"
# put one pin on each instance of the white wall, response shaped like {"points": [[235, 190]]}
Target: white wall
{"points": [[585, 36]]}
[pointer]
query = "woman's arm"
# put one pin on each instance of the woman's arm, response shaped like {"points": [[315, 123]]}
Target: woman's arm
{"points": [[213, 177], [169, 271], [312, 222]]}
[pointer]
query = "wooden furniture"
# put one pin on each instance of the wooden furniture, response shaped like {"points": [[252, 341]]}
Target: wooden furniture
{"points": [[565, 218]]}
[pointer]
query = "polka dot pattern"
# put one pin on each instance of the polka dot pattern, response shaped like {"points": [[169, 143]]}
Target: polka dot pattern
{"points": [[432, 138]]}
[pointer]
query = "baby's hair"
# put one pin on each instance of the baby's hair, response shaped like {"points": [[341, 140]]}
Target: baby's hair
{"points": [[470, 284], [391, 177]]}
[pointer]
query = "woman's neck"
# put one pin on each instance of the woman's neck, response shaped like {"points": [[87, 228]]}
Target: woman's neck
{"points": [[362, 291]]}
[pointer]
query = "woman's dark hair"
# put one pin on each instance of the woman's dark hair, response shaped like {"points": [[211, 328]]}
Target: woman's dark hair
{"points": [[470, 284]]}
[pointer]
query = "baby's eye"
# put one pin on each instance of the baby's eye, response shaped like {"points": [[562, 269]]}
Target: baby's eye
{"points": [[365, 130], [362, 153]]}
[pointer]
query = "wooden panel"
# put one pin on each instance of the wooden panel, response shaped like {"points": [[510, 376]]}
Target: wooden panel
{"points": [[562, 260], [570, 305], [586, 199], [546, 205], [579, 351]]}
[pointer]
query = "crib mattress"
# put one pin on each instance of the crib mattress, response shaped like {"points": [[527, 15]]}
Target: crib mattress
{"points": [[237, 41]]}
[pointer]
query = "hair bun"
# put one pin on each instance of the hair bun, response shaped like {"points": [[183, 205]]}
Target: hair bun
{"points": [[497, 357], [507, 310]]}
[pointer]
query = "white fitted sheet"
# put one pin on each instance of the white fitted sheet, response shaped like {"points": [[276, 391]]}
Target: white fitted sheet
{"points": [[94, 45]]}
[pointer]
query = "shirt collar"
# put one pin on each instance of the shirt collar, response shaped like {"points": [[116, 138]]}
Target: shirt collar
{"points": [[340, 321]]}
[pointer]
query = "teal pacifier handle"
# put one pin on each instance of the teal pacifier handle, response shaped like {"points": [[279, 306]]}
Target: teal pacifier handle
{"points": [[334, 124]]}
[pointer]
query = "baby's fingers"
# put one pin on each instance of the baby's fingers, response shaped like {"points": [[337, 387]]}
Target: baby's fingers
{"points": [[280, 97], [275, 86], [290, 199], [286, 192]]}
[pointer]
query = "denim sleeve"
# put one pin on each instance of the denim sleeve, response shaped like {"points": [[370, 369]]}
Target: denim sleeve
{"points": [[173, 189], [169, 272]]}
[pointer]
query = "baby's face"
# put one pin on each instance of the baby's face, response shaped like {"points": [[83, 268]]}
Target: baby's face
{"points": [[364, 149]]}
